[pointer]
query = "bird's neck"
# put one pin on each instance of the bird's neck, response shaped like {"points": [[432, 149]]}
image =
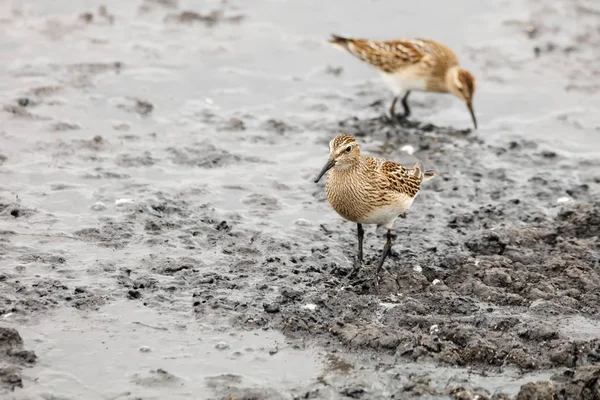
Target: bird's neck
{"points": [[451, 78]]}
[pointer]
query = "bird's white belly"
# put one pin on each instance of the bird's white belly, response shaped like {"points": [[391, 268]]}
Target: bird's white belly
{"points": [[404, 80], [386, 215]]}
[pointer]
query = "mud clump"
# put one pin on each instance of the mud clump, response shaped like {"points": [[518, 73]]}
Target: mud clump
{"points": [[583, 383], [139, 106], [12, 358], [537, 390], [157, 378], [579, 384], [112, 234], [43, 294]]}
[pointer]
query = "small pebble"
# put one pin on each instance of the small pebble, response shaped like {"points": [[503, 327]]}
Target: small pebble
{"points": [[408, 149], [121, 202], [271, 308], [235, 124], [310, 306], [434, 329], [417, 268], [222, 346], [302, 222], [563, 200], [98, 206], [145, 349], [436, 282]]}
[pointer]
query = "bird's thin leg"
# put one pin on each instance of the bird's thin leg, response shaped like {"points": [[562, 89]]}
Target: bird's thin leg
{"points": [[361, 235], [406, 113], [405, 105], [386, 252], [393, 108], [358, 262]]}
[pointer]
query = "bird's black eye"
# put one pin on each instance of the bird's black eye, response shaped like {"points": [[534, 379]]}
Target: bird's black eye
{"points": [[348, 149]]}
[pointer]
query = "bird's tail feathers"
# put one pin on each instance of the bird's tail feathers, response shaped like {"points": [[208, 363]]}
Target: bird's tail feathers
{"points": [[339, 41], [423, 175], [428, 174]]}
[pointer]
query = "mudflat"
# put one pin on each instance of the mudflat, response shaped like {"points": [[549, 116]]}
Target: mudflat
{"points": [[161, 235]]}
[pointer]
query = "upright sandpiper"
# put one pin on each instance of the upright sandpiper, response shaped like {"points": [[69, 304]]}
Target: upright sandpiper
{"points": [[368, 190]]}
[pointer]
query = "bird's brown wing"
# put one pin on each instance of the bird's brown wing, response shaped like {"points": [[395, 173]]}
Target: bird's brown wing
{"points": [[402, 180], [388, 55]]}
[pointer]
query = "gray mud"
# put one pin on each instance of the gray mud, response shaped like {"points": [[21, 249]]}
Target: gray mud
{"points": [[161, 236]]}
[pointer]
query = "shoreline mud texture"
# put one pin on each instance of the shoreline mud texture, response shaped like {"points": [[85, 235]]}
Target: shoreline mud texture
{"points": [[161, 235]]}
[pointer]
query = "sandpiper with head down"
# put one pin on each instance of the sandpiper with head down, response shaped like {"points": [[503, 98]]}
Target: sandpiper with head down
{"points": [[367, 190], [413, 64]]}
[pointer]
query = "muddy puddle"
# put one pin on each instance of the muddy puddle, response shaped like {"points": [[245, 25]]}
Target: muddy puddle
{"points": [[143, 359], [161, 235]]}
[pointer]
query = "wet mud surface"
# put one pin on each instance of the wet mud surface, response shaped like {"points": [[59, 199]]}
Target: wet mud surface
{"points": [[161, 234]]}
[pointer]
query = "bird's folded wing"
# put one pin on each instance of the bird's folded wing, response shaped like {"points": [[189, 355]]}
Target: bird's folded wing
{"points": [[388, 56], [401, 179]]}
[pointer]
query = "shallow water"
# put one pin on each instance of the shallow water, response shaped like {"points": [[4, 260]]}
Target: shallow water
{"points": [[124, 344]]}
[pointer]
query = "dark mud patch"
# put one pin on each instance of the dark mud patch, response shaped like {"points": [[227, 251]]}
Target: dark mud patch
{"points": [[10, 209], [132, 161], [64, 126], [101, 16], [102, 173], [233, 125], [209, 19], [111, 234], [149, 5], [157, 378], [141, 107], [13, 357], [278, 126], [206, 156], [582, 383], [44, 293], [20, 111]]}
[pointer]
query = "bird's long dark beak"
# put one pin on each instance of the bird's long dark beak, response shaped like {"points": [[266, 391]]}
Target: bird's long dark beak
{"points": [[327, 167], [470, 106]]}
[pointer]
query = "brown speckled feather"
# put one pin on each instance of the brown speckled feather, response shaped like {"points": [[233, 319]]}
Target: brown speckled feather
{"points": [[400, 179], [386, 56]]}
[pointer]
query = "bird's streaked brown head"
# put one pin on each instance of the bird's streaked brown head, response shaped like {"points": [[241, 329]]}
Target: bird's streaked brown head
{"points": [[462, 84], [343, 152]]}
